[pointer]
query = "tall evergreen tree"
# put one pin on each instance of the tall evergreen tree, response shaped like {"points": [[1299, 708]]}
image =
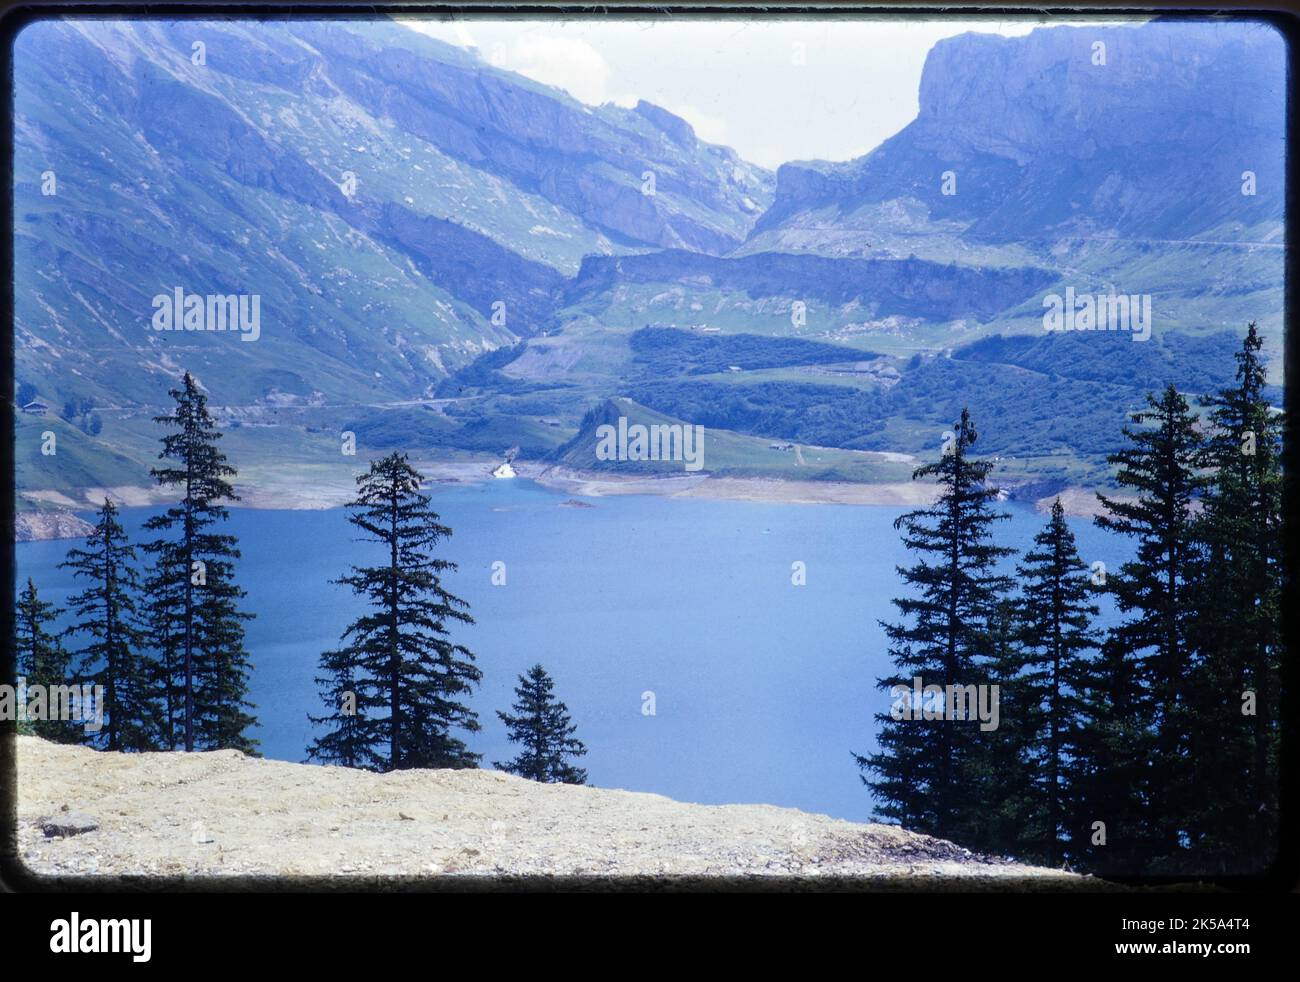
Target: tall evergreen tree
{"points": [[162, 608], [1161, 467], [355, 731], [43, 660], [194, 602], [1237, 586], [1107, 826], [1008, 816], [921, 771], [113, 654], [544, 731], [1056, 616], [407, 676], [222, 710]]}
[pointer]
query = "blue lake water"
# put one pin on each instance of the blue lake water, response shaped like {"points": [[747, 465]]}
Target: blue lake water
{"points": [[761, 688]]}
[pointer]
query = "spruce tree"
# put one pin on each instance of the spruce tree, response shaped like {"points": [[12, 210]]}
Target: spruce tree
{"points": [[407, 676], [355, 728], [162, 609], [222, 717], [113, 654], [1233, 789], [1107, 823], [544, 731], [1056, 614], [922, 772], [42, 660], [1161, 468], [1010, 817], [194, 602]]}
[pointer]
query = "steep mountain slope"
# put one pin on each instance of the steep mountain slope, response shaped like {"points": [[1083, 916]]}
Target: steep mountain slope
{"points": [[592, 162], [398, 205]]}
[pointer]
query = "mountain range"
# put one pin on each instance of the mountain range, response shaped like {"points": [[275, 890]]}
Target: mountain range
{"points": [[453, 256]]}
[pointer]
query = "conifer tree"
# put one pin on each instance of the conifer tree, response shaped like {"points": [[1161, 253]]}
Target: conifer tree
{"points": [[355, 729], [113, 654], [1056, 617], [1233, 791], [544, 731], [1008, 816], [222, 717], [1160, 466], [922, 772], [42, 660], [194, 601], [407, 676], [162, 610], [1107, 823]]}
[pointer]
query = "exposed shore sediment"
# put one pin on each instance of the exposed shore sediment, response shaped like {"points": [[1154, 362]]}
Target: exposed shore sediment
{"points": [[295, 491]]}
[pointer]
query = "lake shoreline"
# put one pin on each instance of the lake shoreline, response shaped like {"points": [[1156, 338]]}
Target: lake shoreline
{"points": [[55, 517]]}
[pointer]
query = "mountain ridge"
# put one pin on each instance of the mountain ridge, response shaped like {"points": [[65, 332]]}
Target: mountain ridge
{"points": [[458, 256], [1006, 114]]}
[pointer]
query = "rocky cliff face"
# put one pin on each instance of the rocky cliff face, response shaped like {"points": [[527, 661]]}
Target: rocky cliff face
{"points": [[1045, 139]]}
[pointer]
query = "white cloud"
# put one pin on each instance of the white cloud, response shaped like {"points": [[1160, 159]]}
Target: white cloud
{"points": [[571, 64]]}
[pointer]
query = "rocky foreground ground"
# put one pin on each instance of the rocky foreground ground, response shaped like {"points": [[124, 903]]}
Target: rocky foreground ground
{"points": [[83, 812]]}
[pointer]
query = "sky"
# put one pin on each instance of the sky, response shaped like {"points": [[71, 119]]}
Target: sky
{"points": [[774, 90]]}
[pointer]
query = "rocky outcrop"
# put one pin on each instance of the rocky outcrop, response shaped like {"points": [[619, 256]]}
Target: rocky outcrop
{"points": [[1137, 130], [223, 814], [677, 129]]}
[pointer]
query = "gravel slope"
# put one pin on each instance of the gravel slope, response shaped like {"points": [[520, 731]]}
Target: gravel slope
{"points": [[224, 814]]}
